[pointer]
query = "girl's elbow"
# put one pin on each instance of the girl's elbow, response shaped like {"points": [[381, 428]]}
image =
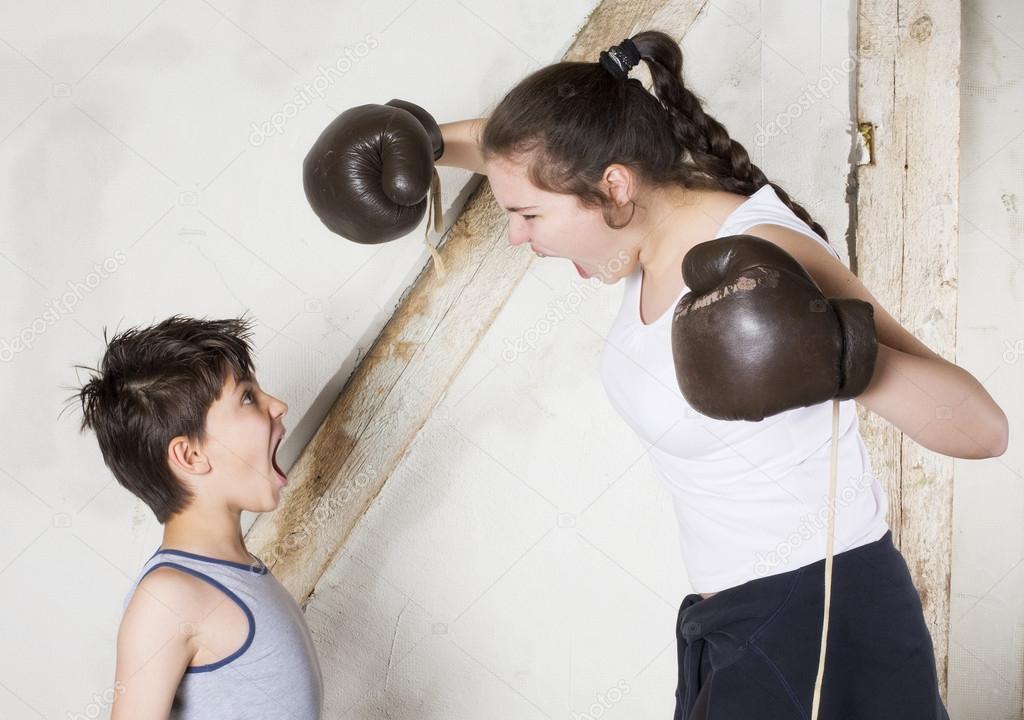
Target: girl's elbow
{"points": [[1002, 435]]}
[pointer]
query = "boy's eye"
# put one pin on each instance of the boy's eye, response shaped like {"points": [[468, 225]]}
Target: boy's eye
{"points": [[248, 394], [529, 217]]}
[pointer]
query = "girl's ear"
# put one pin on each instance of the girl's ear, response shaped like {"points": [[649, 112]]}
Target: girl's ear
{"points": [[619, 183]]}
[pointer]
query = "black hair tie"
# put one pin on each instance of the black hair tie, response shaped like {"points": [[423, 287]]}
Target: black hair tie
{"points": [[619, 59]]}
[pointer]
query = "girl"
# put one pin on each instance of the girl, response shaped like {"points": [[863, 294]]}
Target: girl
{"points": [[594, 168]]}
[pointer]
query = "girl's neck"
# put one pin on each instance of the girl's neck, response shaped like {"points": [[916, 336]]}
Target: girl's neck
{"points": [[678, 220]]}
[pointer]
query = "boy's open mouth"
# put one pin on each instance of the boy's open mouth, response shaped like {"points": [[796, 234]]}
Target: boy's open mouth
{"points": [[281, 477]]}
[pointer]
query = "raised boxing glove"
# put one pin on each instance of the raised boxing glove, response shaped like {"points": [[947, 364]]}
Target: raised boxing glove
{"points": [[755, 336], [370, 174]]}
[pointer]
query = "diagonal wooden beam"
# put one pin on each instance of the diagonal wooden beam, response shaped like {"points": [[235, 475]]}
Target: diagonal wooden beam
{"points": [[421, 349]]}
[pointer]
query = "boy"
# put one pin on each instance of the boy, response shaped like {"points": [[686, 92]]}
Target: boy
{"points": [[208, 631]]}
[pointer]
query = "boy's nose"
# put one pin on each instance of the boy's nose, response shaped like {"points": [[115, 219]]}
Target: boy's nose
{"points": [[279, 408]]}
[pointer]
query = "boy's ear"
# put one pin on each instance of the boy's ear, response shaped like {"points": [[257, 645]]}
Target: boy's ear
{"points": [[186, 456]]}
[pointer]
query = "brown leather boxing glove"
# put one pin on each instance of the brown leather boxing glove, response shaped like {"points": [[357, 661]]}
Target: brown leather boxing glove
{"points": [[370, 174], [755, 336]]}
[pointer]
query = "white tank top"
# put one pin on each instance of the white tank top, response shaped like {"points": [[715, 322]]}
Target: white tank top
{"points": [[751, 498]]}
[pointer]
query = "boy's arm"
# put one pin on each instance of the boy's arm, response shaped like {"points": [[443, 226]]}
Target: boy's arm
{"points": [[461, 144], [154, 646]]}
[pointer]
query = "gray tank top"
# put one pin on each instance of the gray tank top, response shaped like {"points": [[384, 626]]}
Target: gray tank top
{"points": [[274, 674]]}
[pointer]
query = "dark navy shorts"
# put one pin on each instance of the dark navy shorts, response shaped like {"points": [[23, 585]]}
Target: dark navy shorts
{"points": [[751, 651]]}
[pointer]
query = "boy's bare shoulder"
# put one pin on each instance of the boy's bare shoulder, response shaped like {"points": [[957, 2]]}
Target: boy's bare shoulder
{"points": [[167, 599], [156, 641]]}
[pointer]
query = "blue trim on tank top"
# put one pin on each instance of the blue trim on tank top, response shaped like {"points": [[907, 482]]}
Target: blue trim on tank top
{"points": [[238, 601], [261, 569]]}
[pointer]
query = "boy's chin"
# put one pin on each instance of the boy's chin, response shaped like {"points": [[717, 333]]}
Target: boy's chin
{"points": [[264, 503], [273, 502]]}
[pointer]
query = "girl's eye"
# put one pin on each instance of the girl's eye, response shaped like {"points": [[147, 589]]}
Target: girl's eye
{"points": [[248, 394], [529, 217]]}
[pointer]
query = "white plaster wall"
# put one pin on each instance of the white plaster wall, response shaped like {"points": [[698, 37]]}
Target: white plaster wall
{"points": [[131, 134], [986, 649], [522, 561]]}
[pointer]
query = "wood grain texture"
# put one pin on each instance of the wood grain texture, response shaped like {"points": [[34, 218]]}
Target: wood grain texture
{"points": [[406, 372], [907, 232]]}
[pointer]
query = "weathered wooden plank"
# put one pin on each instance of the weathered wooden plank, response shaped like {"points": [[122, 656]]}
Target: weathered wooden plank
{"points": [[404, 375], [906, 231]]}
